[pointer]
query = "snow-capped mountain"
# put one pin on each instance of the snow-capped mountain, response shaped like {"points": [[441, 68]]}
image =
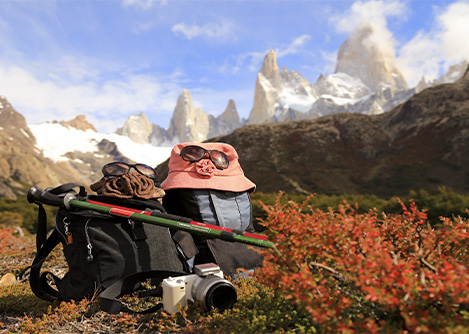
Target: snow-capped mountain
{"points": [[366, 80], [67, 140], [49, 154]]}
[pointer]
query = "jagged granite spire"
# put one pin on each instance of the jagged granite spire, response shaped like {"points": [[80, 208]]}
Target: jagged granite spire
{"points": [[230, 115], [138, 128], [266, 91], [226, 123], [270, 69], [364, 56], [188, 124]]}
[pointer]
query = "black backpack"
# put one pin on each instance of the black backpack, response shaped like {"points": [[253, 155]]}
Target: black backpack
{"points": [[105, 254]]}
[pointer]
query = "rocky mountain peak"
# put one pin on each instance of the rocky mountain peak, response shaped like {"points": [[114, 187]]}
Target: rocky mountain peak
{"points": [[266, 93], [8, 116], [188, 124], [466, 74], [80, 123], [455, 72], [270, 69], [365, 56], [20, 161], [137, 127], [230, 115]]}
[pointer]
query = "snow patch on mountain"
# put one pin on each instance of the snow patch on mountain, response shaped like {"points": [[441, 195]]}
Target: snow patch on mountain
{"points": [[302, 103], [55, 140]]}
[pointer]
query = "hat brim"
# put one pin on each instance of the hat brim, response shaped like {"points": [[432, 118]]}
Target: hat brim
{"points": [[192, 180]]}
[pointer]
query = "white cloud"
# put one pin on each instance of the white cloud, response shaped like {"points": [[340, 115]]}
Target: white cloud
{"points": [[144, 4], [375, 13], [455, 31], [295, 47], [223, 30], [430, 53], [142, 27], [253, 60], [106, 103]]}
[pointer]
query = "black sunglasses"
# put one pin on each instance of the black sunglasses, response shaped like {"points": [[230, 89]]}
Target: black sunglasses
{"points": [[121, 168], [194, 153]]}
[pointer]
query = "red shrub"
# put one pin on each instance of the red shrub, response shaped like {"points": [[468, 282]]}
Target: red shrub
{"points": [[370, 272], [9, 241]]}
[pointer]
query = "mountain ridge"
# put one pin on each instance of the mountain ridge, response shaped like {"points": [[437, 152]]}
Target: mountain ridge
{"points": [[420, 144], [366, 80]]}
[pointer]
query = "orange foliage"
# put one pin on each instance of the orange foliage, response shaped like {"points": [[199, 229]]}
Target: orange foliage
{"points": [[370, 272], [9, 242]]}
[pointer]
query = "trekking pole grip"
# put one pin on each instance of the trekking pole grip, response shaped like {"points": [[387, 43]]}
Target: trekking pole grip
{"points": [[35, 195]]}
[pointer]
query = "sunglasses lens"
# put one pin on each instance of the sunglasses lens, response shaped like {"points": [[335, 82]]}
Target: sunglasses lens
{"points": [[192, 153], [115, 169], [147, 171], [219, 159]]}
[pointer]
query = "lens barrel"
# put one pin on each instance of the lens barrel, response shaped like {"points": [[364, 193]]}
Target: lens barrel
{"points": [[214, 293]]}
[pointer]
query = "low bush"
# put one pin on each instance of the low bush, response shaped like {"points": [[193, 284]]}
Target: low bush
{"points": [[442, 203], [333, 270], [369, 272]]}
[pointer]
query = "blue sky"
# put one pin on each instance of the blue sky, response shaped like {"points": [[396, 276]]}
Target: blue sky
{"points": [[109, 59]]}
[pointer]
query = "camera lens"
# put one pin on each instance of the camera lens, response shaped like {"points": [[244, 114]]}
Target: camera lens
{"points": [[215, 293], [221, 296]]}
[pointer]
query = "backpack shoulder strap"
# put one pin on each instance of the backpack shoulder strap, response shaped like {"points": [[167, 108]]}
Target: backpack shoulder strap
{"points": [[38, 281], [44, 245]]}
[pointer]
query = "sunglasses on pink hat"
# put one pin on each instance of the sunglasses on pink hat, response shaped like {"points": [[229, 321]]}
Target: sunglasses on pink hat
{"points": [[193, 153], [222, 171]]}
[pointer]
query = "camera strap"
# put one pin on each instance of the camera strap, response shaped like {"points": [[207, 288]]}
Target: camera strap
{"points": [[108, 297]]}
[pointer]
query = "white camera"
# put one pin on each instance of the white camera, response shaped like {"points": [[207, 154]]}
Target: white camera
{"points": [[206, 285]]}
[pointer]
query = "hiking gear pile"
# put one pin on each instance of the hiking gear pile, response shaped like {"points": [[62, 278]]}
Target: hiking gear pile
{"points": [[110, 240]]}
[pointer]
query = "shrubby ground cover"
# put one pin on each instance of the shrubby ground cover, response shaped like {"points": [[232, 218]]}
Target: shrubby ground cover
{"points": [[370, 272], [340, 269]]}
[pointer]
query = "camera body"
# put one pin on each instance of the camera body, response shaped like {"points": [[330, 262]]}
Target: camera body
{"points": [[207, 285]]}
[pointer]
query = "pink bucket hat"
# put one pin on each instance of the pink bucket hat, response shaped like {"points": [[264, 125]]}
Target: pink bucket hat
{"points": [[203, 174]]}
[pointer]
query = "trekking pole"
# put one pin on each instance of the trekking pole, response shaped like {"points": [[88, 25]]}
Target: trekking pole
{"points": [[70, 200]]}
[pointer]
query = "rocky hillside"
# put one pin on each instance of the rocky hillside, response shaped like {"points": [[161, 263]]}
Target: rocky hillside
{"points": [[20, 162], [423, 143]]}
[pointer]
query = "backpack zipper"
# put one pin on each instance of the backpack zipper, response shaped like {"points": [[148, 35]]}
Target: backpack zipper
{"points": [[61, 234], [89, 246], [67, 231]]}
